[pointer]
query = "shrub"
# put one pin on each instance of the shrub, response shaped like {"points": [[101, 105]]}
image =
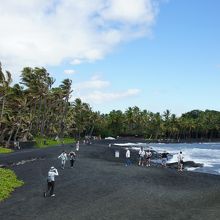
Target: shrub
{"points": [[48, 142], [5, 150], [8, 183]]}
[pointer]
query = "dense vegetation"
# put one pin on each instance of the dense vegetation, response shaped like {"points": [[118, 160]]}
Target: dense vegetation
{"points": [[43, 142], [35, 108], [8, 182], [195, 124]]}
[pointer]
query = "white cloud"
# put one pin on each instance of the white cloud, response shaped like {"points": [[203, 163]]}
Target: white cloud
{"points": [[94, 83], [76, 62], [69, 72], [47, 32], [130, 11], [97, 91], [98, 97]]}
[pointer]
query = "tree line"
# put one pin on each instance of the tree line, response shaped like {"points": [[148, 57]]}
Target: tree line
{"points": [[35, 107], [196, 124]]}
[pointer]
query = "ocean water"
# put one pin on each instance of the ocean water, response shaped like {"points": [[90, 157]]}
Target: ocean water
{"points": [[207, 154]]}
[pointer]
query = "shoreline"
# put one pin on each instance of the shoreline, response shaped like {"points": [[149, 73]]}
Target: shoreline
{"points": [[166, 141], [192, 164], [99, 184], [12, 159]]}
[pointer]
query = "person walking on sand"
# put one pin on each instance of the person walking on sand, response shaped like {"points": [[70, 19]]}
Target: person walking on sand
{"points": [[72, 156], [141, 157], [127, 155], [164, 158], [148, 156], [180, 161], [63, 158], [51, 181], [77, 146]]}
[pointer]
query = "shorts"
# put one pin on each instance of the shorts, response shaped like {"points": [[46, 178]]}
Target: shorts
{"points": [[164, 160], [141, 159], [181, 162]]}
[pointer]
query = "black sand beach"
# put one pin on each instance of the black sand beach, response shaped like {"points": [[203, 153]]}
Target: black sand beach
{"points": [[101, 187]]}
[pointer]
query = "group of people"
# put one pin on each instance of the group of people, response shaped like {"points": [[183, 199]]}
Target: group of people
{"points": [[53, 172], [145, 158], [64, 157]]}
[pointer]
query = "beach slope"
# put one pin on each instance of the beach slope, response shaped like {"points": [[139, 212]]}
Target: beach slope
{"points": [[101, 187]]}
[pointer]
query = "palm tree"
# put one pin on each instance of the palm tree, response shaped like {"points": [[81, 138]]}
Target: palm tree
{"points": [[66, 90], [82, 113], [38, 83], [5, 81], [115, 122]]}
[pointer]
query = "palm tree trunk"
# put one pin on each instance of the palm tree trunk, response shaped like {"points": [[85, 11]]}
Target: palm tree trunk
{"points": [[91, 131], [39, 115], [43, 118], [3, 106], [32, 113], [2, 136], [16, 133], [9, 139], [63, 125]]}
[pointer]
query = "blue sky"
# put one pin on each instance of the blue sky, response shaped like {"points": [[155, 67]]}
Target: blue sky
{"points": [[156, 55]]}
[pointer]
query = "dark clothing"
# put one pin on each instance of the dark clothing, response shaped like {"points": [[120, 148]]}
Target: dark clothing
{"points": [[72, 162], [50, 187], [164, 155], [128, 162], [72, 158]]}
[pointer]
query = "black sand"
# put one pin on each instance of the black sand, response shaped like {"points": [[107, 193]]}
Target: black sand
{"points": [[101, 187]]}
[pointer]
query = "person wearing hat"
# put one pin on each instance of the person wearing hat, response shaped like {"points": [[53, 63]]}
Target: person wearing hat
{"points": [[51, 181]]}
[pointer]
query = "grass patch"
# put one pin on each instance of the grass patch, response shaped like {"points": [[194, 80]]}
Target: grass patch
{"points": [[8, 183], [5, 150], [48, 142]]}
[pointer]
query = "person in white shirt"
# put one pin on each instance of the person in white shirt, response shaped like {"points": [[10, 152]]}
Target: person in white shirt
{"points": [[180, 161], [63, 158], [148, 156], [141, 157], [51, 181], [77, 146], [127, 155]]}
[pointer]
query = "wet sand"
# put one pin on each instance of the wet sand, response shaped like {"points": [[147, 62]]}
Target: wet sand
{"points": [[101, 187]]}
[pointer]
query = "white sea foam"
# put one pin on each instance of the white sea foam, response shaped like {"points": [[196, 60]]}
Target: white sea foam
{"points": [[129, 144], [207, 154], [191, 168]]}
